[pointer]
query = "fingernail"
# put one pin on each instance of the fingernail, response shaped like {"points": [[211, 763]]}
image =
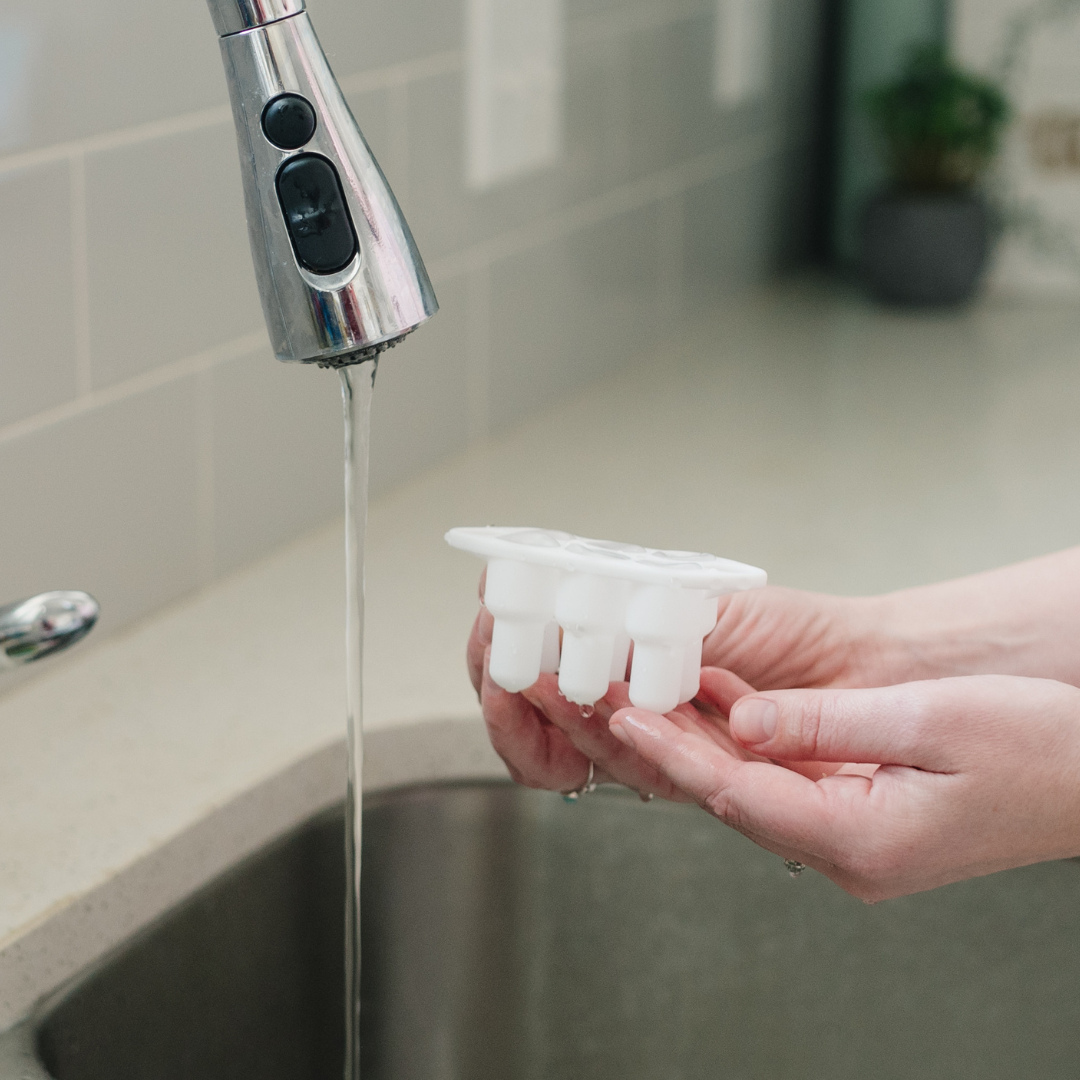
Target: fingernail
{"points": [[754, 721], [638, 722], [616, 729]]}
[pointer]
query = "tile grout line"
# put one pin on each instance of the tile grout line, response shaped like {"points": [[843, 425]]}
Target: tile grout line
{"points": [[603, 207], [478, 258], [388, 77], [80, 275], [150, 380], [590, 29], [409, 71], [114, 140], [583, 30]]}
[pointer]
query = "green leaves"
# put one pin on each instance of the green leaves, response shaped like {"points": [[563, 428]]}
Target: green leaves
{"points": [[939, 124]]}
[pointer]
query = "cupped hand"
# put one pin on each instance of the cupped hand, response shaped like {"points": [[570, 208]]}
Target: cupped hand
{"points": [[548, 742], [766, 638], [977, 774], [777, 638]]}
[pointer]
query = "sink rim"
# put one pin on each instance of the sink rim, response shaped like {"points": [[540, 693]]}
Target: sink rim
{"points": [[88, 926]]}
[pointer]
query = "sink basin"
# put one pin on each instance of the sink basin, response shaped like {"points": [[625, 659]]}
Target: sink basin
{"points": [[510, 936]]}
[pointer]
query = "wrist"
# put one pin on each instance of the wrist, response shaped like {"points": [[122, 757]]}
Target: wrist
{"points": [[928, 633], [874, 642]]}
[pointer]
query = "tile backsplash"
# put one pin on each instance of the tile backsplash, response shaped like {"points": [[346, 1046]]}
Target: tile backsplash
{"points": [[149, 442]]}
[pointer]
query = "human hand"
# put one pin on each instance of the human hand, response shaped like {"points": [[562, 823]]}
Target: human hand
{"points": [[767, 638], [777, 638], [978, 774], [549, 742]]}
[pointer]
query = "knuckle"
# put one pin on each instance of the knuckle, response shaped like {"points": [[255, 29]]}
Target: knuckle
{"points": [[722, 804], [804, 728]]}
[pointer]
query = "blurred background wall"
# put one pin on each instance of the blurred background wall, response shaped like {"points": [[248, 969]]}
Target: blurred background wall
{"points": [[1033, 48], [149, 442]]}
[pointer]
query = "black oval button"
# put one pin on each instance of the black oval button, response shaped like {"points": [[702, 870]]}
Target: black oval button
{"points": [[289, 121], [316, 216]]}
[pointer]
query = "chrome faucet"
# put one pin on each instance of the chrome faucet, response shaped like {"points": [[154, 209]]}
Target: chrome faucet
{"points": [[338, 271], [43, 625]]}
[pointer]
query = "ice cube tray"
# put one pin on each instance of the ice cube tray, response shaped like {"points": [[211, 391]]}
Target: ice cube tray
{"points": [[602, 596]]}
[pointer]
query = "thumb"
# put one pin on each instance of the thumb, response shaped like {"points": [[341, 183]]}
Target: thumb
{"points": [[894, 725]]}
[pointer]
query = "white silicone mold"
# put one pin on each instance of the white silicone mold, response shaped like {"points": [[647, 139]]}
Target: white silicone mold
{"points": [[603, 596]]}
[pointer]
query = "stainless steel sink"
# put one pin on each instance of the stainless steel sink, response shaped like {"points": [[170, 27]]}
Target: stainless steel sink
{"points": [[509, 936]]}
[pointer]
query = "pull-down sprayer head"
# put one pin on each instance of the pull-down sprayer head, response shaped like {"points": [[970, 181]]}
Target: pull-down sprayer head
{"points": [[337, 266]]}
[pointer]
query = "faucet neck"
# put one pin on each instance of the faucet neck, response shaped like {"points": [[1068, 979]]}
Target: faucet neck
{"points": [[235, 16]]}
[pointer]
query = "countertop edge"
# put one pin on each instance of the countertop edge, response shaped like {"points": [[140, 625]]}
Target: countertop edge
{"points": [[83, 929]]}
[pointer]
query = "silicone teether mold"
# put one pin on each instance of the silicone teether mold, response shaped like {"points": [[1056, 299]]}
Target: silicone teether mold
{"points": [[603, 596]]}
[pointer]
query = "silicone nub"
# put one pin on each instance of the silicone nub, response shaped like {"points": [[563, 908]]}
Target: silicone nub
{"points": [[521, 597], [549, 661], [662, 622], [603, 596], [691, 680], [591, 610]]}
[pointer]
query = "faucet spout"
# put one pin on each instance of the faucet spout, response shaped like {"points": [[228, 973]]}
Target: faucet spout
{"points": [[339, 273], [235, 16]]}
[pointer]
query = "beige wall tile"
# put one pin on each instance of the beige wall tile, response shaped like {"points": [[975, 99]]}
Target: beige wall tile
{"points": [[420, 414], [446, 215], [204, 474], [78, 69], [105, 502], [38, 347], [359, 35], [372, 111], [565, 314], [170, 265], [277, 452], [278, 434], [666, 93]]}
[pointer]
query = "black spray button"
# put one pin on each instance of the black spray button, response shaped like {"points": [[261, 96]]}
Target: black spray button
{"points": [[288, 121], [316, 215]]}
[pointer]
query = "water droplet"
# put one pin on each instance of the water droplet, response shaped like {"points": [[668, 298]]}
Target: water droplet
{"points": [[587, 712]]}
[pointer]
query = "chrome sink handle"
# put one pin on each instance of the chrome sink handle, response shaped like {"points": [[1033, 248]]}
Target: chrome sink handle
{"points": [[43, 625]]}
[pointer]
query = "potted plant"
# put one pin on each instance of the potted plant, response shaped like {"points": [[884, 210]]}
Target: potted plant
{"points": [[926, 238]]}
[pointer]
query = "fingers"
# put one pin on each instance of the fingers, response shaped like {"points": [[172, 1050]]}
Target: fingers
{"points": [[896, 725], [536, 752], [719, 691], [588, 731], [479, 640], [722, 688], [773, 805], [978, 775]]}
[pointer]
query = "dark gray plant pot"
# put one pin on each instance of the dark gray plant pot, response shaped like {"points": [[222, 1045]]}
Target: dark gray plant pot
{"points": [[925, 249]]}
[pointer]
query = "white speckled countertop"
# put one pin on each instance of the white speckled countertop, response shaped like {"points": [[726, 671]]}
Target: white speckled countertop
{"points": [[837, 446]]}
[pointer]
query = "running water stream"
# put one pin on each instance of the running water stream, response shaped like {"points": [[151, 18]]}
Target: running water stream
{"points": [[357, 388]]}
